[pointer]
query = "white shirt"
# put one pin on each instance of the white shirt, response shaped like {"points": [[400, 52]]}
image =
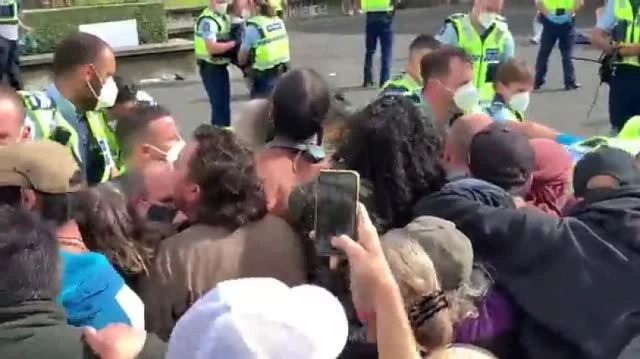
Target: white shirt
{"points": [[9, 31]]}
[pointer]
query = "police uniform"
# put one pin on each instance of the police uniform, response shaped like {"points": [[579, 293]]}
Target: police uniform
{"points": [[499, 110], [379, 20], [213, 68], [622, 19], [269, 55], [487, 50], [9, 43], [558, 26], [403, 85], [49, 123]]}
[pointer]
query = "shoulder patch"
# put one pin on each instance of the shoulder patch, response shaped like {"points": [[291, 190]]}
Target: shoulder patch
{"points": [[36, 100]]}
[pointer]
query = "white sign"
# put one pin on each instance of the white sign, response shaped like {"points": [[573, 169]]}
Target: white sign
{"points": [[117, 34]]}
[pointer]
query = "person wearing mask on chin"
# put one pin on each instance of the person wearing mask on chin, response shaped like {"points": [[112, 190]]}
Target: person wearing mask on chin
{"points": [[68, 110], [212, 44], [485, 36], [409, 83], [514, 83]]}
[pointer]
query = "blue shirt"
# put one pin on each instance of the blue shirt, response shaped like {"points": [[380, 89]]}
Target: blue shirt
{"points": [[250, 38], [607, 19], [77, 121], [94, 294], [208, 29], [448, 36], [498, 110]]}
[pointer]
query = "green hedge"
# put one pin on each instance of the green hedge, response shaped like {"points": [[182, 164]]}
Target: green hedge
{"points": [[51, 25]]}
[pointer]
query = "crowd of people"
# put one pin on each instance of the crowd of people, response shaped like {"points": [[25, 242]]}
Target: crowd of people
{"points": [[479, 235]]}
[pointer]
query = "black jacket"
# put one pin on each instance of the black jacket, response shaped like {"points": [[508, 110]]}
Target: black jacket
{"points": [[39, 329], [577, 279]]}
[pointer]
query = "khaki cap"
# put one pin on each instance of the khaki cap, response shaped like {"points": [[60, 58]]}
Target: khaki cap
{"points": [[41, 165]]}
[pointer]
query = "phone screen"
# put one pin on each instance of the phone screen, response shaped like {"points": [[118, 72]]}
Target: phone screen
{"points": [[336, 205]]}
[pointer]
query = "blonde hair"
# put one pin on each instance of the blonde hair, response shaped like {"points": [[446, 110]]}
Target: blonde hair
{"points": [[416, 276]]}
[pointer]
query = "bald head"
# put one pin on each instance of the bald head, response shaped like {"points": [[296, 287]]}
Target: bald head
{"points": [[459, 137], [12, 116]]}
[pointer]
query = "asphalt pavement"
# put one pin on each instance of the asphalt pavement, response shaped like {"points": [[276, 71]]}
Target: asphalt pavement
{"points": [[334, 46]]}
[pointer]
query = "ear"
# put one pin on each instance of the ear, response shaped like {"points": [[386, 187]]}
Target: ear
{"points": [[26, 133], [28, 199]]}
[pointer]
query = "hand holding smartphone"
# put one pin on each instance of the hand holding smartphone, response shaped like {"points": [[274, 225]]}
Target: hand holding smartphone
{"points": [[336, 206]]}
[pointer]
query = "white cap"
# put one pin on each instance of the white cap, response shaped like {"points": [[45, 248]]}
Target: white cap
{"points": [[261, 318]]}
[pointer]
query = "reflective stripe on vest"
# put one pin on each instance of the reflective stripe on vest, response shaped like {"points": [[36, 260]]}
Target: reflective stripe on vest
{"points": [[273, 47], [375, 5], [554, 5], [97, 126], [403, 85], [199, 43], [40, 111], [486, 54], [623, 13], [8, 12]]}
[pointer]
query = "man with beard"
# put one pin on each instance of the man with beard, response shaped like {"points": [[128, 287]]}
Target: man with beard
{"points": [[83, 69]]}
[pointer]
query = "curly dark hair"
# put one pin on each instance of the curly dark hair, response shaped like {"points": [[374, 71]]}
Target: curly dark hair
{"points": [[109, 226], [397, 149], [231, 194]]}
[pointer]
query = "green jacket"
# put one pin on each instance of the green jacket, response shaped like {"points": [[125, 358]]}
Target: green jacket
{"points": [[39, 329]]}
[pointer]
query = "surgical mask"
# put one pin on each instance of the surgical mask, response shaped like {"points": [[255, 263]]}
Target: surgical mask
{"points": [[466, 97], [171, 156], [486, 19], [520, 101], [108, 94]]}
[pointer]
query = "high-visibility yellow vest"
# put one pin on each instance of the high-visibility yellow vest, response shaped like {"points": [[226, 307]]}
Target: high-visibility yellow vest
{"points": [[486, 54], [554, 5], [8, 12], [223, 21], [629, 25], [42, 112], [110, 134], [375, 5], [273, 47], [403, 85]]}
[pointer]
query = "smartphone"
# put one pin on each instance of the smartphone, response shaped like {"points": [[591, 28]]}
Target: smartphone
{"points": [[335, 208]]}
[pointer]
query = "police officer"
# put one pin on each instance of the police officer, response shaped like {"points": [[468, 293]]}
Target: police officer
{"points": [[513, 86], [620, 17], [379, 20], [10, 26], [212, 43], [485, 36], [410, 82], [68, 110], [266, 47], [558, 24]]}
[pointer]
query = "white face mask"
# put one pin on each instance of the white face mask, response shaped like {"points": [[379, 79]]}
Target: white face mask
{"points": [[486, 19], [466, 97], [108, 94], [520, 101], [171, 156]]}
